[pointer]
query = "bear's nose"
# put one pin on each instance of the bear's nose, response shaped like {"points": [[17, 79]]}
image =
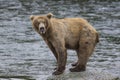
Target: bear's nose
{"points": [[42, 29]]}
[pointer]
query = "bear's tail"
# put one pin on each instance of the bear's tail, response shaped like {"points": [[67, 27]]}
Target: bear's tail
{"points": [[97, 37]]}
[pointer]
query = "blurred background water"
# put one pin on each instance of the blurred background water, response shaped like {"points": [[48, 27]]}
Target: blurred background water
{"points": [[23, 53]]}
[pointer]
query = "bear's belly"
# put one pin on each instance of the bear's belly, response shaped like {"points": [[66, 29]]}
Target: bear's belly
{"points": [[72, 45], [72, 41]]}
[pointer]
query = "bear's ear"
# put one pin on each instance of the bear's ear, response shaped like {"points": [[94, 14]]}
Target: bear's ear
{"points": [[32, 17], [49, 15]]}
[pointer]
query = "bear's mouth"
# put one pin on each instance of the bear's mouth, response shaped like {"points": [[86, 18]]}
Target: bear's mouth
{"points": [[42, 30]]}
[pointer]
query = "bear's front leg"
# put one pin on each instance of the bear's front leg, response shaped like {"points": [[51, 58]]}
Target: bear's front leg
{"points": [[52, 48], [62, 57]]}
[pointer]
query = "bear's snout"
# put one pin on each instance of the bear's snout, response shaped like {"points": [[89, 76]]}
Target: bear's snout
{"points": [[42, 28]]}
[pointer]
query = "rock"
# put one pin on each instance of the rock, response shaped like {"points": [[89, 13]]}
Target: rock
{"points": [[90, 74]]}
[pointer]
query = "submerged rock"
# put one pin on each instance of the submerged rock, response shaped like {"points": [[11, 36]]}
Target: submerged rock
{"points": [[92, 74]]}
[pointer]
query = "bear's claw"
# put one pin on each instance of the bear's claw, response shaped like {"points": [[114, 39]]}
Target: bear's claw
{"points": [[76, 69], [57, 72]]}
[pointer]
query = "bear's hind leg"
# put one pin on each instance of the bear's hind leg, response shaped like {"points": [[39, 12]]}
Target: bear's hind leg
{"points": [[85, 50], [75, 63]]}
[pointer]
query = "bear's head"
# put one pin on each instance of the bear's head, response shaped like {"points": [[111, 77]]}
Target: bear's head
{"points": [[41, 23]]}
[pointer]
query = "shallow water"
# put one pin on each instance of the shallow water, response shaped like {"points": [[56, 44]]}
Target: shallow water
{"points": [[25, 56]]}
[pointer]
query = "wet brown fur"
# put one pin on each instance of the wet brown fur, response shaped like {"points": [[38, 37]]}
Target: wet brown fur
{"points": [[68, 33]]}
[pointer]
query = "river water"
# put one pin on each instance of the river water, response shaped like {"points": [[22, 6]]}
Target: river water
{"points": [[25, 56]]}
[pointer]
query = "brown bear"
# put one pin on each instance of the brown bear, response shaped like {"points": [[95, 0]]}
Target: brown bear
{"points": [[67, 33]]}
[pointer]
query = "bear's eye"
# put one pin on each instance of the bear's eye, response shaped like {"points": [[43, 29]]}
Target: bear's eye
{"points": [[36, 24]]}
